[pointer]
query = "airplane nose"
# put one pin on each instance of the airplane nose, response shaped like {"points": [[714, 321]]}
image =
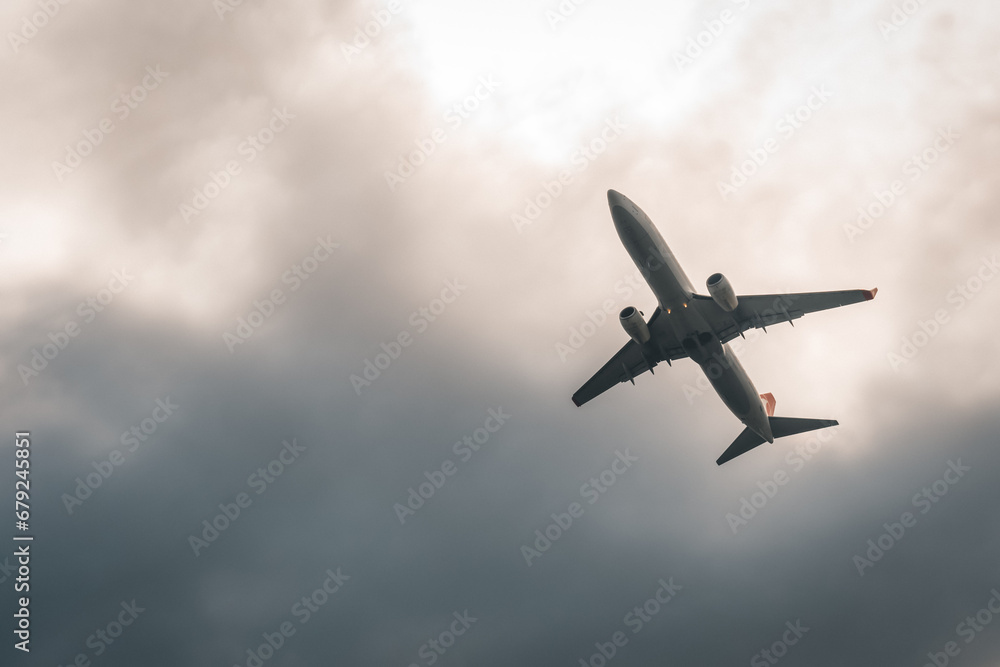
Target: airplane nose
{"points": [[620, 205]]}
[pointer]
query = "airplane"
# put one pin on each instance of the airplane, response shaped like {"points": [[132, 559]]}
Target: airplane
{"points": [[686, 324]]}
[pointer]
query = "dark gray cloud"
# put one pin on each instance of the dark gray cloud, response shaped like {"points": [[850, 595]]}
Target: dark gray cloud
{"points": [[357, 448]]}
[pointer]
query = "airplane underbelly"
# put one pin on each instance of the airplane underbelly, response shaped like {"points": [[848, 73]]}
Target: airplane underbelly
{"points": [[731, 382], [657, 268]]}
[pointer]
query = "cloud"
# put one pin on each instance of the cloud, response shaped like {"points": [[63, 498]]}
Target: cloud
{"points": [[438, 261]]}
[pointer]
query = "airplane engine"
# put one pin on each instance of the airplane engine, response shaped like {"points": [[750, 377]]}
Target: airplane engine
{"points": [[634, 325], [722, 292]]}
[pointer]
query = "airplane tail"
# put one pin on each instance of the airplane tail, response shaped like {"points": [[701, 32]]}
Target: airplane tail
{"points": [[780, 427]]}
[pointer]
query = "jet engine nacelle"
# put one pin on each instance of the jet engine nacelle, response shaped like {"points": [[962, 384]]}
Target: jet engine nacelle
{"points": [[722, 292], [634, 325]]}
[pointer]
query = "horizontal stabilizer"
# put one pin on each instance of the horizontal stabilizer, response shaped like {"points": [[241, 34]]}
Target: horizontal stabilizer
{"points": [[780, 427], [746, 441]]}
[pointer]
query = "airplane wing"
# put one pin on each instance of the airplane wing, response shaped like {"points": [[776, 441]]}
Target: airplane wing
{"points": [[630, 361], [763, 310]]}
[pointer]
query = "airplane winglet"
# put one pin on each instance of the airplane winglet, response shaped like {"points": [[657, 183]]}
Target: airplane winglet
{"points": [[870, 293]]}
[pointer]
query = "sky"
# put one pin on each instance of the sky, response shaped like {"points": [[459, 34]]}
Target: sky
{"points": [[296, 296]]}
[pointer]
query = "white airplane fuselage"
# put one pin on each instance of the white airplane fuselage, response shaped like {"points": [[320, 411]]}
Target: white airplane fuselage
{"points": [[674, 293]]}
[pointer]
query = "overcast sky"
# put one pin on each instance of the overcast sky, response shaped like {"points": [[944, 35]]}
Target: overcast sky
{"points": [[307, 261]]}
